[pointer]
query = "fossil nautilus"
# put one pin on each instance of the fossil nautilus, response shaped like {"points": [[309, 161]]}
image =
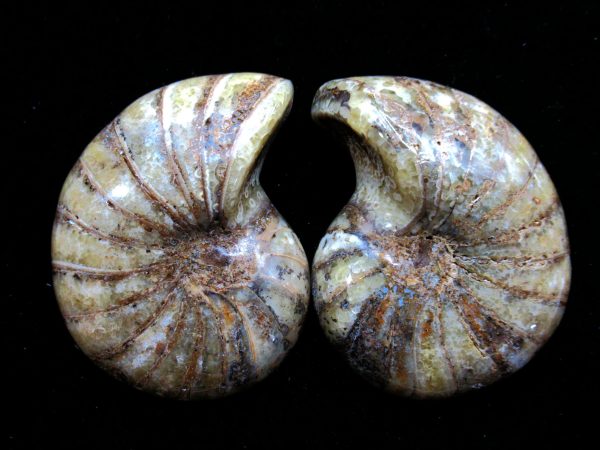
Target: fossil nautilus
{"points": [[172, 268], [449, 266]]}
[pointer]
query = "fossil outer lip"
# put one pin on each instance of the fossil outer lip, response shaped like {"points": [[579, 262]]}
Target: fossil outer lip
{"points": [[449, 267], [171, 267]]}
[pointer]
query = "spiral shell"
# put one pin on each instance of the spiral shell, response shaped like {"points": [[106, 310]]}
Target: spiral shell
{"points": [[171, 267], [449, 267]]}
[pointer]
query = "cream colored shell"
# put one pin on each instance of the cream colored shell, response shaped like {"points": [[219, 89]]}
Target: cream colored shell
{"points": [[171, 267], [449, 267]]}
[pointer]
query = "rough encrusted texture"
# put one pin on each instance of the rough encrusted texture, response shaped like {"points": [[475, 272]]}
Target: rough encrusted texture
{"points": [[171, 266], [449, 267]]}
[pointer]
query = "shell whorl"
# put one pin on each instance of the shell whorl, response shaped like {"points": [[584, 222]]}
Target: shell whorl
{"points": [[449, 267], [171, 266]]}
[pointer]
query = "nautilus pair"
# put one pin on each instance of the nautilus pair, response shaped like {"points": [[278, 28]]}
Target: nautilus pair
{"points": [[447, 269]]}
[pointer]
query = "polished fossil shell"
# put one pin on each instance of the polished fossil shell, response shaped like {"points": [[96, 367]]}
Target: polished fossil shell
{"points": [[449, 267], [171, 267]]}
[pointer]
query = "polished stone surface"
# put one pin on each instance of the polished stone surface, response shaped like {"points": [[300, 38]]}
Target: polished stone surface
{"points": [[449, 266], [172, 268]]}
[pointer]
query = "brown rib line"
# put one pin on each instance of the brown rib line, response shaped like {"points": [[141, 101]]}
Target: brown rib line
{"points": [[500, 209], [446, 217], [249, 337], [493, 315], [123, 302], [490, 342], [534, 262], [106, 274], [435, 135], [171, 342], [518, 292], [269, 311], [190, 378], [354, 333], [432, 111], [73, 219], [375, 324], [467, 174], [151, 194], [438, 190], [206, 301], [485, 189], [173, 162], [112, 352], [485, 348], [468, 330], [341, 289], [416, 339], [505, 236], [442, 340], [338, 255], [146, 223], [239, 342], [251, 108], [467, 116], [199, 141], [391, 355]]}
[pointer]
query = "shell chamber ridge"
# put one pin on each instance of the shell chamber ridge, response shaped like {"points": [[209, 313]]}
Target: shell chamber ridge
{"points": [[449, 266], [172, 268]]}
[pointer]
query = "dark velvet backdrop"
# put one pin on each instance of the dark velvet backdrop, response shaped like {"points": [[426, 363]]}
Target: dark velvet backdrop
{"points": [[70, 71]]}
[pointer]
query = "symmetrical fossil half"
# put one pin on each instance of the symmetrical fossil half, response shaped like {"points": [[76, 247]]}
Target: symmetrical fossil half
{"points": [[449, 267], [171, 266]]}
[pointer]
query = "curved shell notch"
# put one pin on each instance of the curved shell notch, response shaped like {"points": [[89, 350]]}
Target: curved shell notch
{"points": [[172, 268], [449, 267]]}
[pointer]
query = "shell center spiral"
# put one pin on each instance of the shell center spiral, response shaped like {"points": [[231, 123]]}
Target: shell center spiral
{"points": [[417, 265], [215, 261]]}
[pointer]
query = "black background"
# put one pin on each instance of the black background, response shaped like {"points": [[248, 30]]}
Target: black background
{"points": [[70, 71]]}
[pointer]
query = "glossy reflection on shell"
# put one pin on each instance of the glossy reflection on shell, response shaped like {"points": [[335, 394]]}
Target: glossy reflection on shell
{"points": [[171, 266], [449, 267]]}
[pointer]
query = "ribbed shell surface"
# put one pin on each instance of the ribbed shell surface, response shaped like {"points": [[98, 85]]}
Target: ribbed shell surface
{"points": [[449, 267], [171, 267]]}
